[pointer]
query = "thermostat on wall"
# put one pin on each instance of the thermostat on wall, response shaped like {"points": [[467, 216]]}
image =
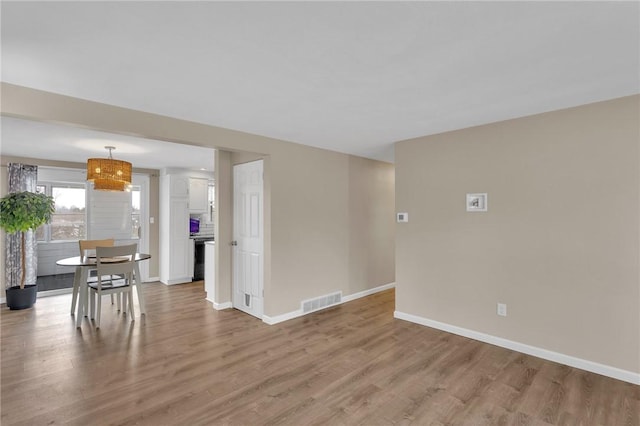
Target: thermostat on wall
{"points": [[477, 202], [402, 217]]}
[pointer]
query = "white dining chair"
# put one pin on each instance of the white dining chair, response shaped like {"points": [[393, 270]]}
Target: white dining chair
{"points": [[116, 260], [87, 248]]}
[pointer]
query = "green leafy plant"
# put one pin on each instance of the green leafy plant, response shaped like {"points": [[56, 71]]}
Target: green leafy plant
{"points": [[21, 211]]}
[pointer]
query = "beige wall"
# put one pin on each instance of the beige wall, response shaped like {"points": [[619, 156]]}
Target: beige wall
{"points": [[559, 244], [336, 220], [224, 188], [309, 234], [371, 223]]}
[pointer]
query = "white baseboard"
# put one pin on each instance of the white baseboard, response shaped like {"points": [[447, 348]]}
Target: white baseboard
{"points": [[177, 281], [283, 317], [48, 293], [151, 279], [583, 364], [220, 306], [298, 312], [368, 292]]}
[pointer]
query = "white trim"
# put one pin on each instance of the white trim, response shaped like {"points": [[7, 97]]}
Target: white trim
{"points": [[583, 364], [143, 181], [177, 281], [283, 317], [46, 293], [220, 306], [368, 292], [56, 292], [152, 279], [298, 312]]}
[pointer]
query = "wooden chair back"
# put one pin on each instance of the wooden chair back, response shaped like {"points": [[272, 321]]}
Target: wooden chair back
{"points": [[86, 245], [116, 260]]}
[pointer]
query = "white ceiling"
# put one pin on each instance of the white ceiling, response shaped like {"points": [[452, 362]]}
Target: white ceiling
{"points": [[25, 138], [349, 76]]}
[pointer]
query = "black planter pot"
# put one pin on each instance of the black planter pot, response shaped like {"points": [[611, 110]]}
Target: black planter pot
{"points": [[21, 298]]}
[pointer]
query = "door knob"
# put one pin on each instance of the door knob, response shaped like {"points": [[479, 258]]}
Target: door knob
{"points": [[234, 243]]}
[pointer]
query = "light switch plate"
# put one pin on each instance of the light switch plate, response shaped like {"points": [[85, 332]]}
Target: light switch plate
{"points": [[502, 309], [402, 217]]}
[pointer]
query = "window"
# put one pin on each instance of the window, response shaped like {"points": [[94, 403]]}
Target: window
{"points": [[135, 212], [68, 221], [82, 213]]}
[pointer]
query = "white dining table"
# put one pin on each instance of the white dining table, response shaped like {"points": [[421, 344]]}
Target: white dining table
{"points": [[83, 265]]}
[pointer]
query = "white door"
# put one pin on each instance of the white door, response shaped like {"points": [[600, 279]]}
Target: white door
{"points": [[248, 235]]}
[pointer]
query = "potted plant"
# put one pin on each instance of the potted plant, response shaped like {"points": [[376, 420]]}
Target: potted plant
{"points": [[20, 212]]}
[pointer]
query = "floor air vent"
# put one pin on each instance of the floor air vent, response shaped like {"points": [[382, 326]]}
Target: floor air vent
{"points": [[321, 302]]}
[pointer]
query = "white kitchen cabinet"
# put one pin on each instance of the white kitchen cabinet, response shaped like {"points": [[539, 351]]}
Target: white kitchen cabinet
{"points": [[179, 186], [198, 195], [180, 242], [176, 248]]}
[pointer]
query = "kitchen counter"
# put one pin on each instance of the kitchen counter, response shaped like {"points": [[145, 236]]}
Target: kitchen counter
{"points": [[201, 237]]}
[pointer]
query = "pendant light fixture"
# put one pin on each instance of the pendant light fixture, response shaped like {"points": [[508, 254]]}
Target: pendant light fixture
{"points": [[108, 174]]}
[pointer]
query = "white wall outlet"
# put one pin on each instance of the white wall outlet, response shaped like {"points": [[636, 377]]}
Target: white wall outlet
{"points": [[477, 202], [502, 309], [402, 217], [152, 220]]}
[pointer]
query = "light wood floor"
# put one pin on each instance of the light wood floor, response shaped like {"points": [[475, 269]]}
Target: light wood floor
{"points": [[186, 364]]}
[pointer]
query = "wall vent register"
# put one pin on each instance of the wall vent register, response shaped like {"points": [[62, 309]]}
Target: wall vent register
{"points": [[321, 302]]}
